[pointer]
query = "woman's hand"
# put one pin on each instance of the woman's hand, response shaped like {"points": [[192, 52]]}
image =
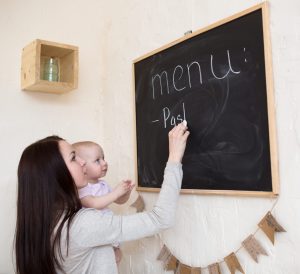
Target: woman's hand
{"points": [[118, 255], [177, 142]]}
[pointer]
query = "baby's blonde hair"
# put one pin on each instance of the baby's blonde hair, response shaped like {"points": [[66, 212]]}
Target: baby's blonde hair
{"points": [[85, 144], [80, 146]]}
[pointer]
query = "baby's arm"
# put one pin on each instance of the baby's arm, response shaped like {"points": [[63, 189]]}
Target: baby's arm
{"points": [[124, 198], [100, 202]]}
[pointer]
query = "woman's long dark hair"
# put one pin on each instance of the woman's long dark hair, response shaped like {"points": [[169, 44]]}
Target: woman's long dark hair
{"points": [[47, 200]]}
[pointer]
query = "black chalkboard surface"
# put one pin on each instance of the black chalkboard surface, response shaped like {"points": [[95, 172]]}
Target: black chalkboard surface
{"points": [[219, 80]]}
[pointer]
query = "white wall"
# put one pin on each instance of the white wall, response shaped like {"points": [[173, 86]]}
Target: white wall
{"points": [[110, 35], [28, 116]]}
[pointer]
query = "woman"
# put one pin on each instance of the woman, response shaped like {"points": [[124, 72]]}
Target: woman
{"points": [[55, 235]]}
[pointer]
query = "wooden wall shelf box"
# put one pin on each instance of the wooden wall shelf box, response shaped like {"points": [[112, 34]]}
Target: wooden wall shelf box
{"points": [[33, 60]]}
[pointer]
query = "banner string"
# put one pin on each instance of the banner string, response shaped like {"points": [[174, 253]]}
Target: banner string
{"points": [[241, 247]]}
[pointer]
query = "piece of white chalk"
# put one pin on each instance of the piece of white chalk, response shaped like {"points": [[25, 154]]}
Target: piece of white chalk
{"points": [[185, 123]]}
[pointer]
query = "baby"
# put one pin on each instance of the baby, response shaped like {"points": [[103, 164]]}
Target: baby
{"points": [[98, 194]]}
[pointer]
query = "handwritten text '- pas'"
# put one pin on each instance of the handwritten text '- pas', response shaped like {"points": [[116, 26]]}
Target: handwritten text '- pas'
{"points": [[173, 120], [180, 70]]}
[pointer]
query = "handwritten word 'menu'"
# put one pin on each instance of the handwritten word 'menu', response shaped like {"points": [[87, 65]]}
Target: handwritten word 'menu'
{"points": [[161, 81]]}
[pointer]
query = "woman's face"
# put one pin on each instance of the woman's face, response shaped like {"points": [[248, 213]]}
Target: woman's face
{"points": [[75, 164]]}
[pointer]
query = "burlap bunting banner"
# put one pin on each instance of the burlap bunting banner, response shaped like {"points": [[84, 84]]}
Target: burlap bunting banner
{"points": [[233, 263], [269, 226], [139, 204], [253, 247], [214, 269]]}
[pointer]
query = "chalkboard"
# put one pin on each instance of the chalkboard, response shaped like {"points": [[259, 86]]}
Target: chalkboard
{"points": [[219, 79]]}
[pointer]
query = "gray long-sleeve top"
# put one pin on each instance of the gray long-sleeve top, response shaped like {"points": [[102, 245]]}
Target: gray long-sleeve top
{"points": [[91, 233]]}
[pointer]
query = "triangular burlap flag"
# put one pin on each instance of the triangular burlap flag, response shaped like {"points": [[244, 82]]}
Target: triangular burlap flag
{"points": [[139, 204], [269, 226], [171, 264], [169, 261], [233, 263], [196, 270], [183, 269], [253, 247], [214, 269], [164, 254]]}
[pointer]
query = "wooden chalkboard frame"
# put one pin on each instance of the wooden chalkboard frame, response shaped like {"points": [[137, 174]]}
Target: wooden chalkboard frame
{"points": [[270, 106]]}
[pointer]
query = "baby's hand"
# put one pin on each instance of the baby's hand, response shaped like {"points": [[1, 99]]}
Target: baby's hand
{"points": [[126, 187], [130, 184], [123, 188]]}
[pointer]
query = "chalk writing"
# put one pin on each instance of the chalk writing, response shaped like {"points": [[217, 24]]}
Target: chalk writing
{"points": [[229, 69], [160, 80], [173, 120]]}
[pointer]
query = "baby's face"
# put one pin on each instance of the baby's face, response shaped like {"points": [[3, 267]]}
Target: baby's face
{"points": [[96, 164], [102, 162]]}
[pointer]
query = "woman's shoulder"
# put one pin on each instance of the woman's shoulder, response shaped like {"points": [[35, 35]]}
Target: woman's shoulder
{"points": [[87, 217], [85, 214]]}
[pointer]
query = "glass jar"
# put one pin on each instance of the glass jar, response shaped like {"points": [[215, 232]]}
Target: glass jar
{"points": [[51, 70]]}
